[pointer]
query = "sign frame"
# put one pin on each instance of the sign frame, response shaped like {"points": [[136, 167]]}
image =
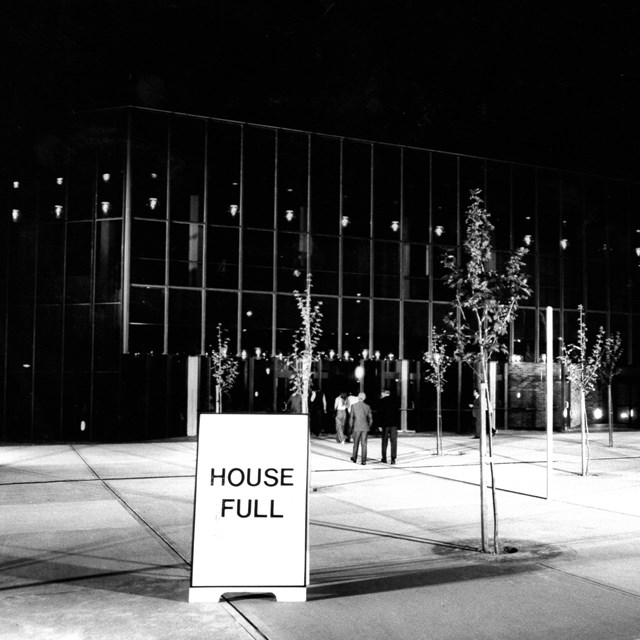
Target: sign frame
{"points": [[251, 506]]}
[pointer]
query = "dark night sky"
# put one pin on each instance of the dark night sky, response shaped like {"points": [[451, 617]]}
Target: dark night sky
{"points": [[555, 84]]}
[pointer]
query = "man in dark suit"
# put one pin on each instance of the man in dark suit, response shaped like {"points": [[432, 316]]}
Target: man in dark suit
{"points": [[361, 421], [388, 418]]}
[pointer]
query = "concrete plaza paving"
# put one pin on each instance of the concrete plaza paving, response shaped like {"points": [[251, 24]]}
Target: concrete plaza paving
{"points": [[95, 542]]}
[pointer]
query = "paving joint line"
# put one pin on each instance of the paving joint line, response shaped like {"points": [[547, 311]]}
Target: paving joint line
{"points": [[132, 511], [596, 583]]}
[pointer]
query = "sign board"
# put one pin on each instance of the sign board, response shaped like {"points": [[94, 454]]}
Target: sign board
{"points": [[250, 529]]}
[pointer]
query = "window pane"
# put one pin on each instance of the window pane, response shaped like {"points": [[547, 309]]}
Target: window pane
{"points": [[19, 337], [329, 338], [292, 261], [325, 185], [573, 294], [77, 342], [355, 314], [149, 164], [222, 308], [386, 264], [147, 305], [47, 399], [356, 193], [498, 202], [258, 178], [79, 242], [288, 320], [571, 210], [416, 329], [224, 173], [523, 209], [356, 267], [258, 260], [256, 322], [619, 285], [444, 183], [324, 264], [187, 145], [386, 326], [292, 181], [50, 263], [416, 172], [107, 344], [549, 283], [524, 335], [596, 284], [386, 191], [108, 261], [22, 264], [416, 271], [81, 187], [147, 320], [185, 244], [148, 241], [550, 230], [184, 321], [48, 352], [222, 258]]}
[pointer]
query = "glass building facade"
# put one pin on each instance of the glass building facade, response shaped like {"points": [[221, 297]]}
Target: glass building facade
{"points": [[130, 234]]}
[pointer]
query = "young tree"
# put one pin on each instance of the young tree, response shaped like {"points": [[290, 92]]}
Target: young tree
{"points": [[439, 361], [224, 368], [583, 367], [611, 354], [305, 341], [486, 302]]}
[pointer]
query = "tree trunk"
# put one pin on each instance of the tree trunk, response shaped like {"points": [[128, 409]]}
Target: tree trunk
{"points": [[584, 434], [218, 403], [483, 451], [439, 423], [494, 495], [610, 411]]}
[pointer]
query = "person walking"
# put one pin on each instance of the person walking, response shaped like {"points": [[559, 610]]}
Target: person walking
{"points": [[317, 410], [351, 400], [294, 402], [360, 421], [476, 413], [389, 419], [340, 410]]}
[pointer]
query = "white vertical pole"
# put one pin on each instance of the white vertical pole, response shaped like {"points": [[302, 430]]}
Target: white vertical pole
{"points": [[549, 399], [404, 393], [193, 384]]}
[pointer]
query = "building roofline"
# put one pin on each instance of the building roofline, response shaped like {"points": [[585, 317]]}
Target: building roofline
{"points": [[355, 139]]}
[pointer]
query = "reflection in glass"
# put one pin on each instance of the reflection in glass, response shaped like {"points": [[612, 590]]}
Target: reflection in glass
{"points": [[355, 324]]}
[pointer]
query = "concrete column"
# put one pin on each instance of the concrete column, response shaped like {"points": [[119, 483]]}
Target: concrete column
{"points": [[193, 387], [404, 393]]}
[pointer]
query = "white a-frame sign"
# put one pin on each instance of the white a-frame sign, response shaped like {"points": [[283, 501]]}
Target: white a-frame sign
{"points": [[250, 530]]}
